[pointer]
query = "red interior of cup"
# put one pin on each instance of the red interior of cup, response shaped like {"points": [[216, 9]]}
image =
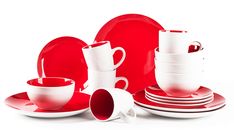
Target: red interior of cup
{"points": [[101, 104], [50, 82], [96, 44]]}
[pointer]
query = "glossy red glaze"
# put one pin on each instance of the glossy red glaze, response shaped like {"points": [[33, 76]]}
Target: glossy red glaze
{"points": [[63, 57], [138, 35]]}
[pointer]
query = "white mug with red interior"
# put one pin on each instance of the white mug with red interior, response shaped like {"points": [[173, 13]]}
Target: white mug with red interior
{"points": [[176, 41], [99, 56], [110, 104]]}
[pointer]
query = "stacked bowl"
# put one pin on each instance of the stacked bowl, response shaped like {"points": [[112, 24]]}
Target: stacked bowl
{"points": [[179, 63]]}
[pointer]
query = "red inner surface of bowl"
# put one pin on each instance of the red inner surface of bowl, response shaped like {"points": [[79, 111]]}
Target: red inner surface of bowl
{"points": [[50, 82]]}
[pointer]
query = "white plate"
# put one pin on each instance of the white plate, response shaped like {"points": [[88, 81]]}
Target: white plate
{"points": [[184, 115]]}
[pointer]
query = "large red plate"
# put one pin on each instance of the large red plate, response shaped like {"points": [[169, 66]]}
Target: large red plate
{"points": [[63, 57], [138, 35]]}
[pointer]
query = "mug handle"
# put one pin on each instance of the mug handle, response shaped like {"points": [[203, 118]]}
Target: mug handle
{"points": [[195, 46], [123, 57], [124, 79], [129, 116]]}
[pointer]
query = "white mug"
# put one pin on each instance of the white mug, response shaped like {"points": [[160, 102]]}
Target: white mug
{"points": [[99, 56], [109, 104], [175, 41], [103, 79]]}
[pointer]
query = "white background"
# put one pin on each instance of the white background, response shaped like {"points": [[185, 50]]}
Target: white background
{"points": [[26, 26]]}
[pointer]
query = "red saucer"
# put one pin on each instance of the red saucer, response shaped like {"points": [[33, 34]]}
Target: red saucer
{"points": [[138, 35], [63, 57]]}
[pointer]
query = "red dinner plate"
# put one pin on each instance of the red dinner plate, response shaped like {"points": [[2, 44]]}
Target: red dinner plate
{"points": [[217, 102], [63, 57], [20, 102], [138, 35]]}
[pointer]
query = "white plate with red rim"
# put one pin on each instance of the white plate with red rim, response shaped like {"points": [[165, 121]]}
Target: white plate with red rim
{"points": [[182, 115], [180, 101], [201, 93], [140, 99], [21, 103], [179, 104]]}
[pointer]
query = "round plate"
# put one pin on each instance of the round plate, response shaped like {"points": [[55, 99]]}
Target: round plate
{"points": [[217, 102], [20, 102], [63, 57], [201, 93], [180, 114], [179, 104], [180, 101], [138, 35]]}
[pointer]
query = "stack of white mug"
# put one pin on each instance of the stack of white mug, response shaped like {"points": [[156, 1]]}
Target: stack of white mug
{"points": [[179, 63], [106, 102], [101, 67]]}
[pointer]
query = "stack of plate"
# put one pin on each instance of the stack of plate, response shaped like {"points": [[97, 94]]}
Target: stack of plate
{"points": [[201, 103]]}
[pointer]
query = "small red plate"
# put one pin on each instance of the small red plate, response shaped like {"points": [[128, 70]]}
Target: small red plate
{"points": [[63, 57]]}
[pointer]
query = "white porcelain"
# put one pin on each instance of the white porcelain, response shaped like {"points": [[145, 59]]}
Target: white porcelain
{"points": [[182, 115], [175, 41], [109, 104], [179, 85], [99, 56], [191, 67], [50, 95], [104, 79], [184, 58]]}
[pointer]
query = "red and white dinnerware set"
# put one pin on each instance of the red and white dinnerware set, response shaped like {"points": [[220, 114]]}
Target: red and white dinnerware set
{"points": [[132, 62]]}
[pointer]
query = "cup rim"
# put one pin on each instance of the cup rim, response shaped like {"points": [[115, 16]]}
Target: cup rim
{"points": [[113, 109], [96, 44], [32, 82]]}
